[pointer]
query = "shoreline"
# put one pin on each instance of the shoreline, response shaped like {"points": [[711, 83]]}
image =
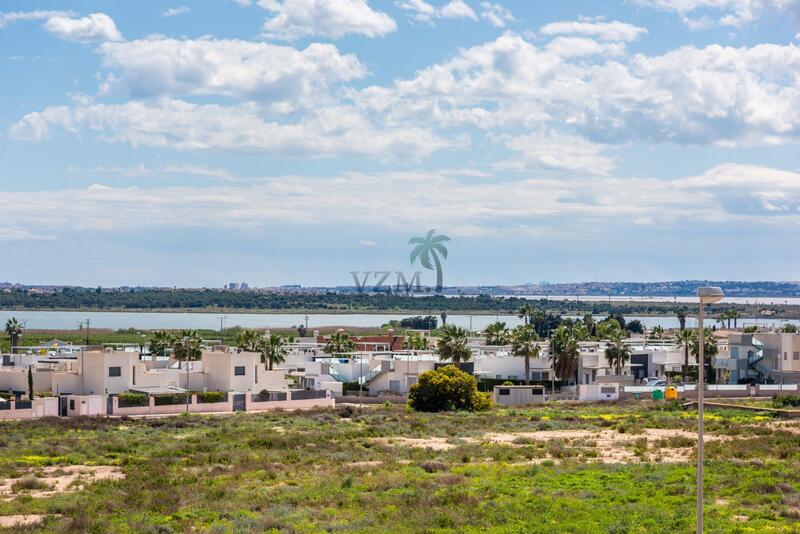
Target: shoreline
{"points": [[790, 312]]}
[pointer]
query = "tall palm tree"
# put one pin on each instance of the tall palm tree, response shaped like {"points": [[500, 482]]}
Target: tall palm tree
{"points": [[187, 347], [160, 342], [427, 248], [681, 314], [14, 330], [524, 344], [496, 333], [564, 352], [588, 322], [734, 314], [710, 349], [618, 353], [339, 343], [272, 349], [453, 345], [684, 339], [525, 312], [249, 340]]}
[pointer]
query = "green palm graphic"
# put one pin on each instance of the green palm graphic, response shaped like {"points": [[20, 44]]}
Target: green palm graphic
{"points": [[427, 248]]}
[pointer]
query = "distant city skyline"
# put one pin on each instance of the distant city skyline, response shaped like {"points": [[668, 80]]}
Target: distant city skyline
{"points": [[293, 142]]}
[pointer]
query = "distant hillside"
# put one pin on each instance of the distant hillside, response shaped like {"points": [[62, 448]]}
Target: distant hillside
{"points": [[680, 288]]}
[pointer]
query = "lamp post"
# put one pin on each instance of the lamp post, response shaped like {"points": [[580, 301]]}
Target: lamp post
{"points": [[706, 295]]}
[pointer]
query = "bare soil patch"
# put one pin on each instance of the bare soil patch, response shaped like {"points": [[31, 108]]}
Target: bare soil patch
{"points": [[28, 520], [52, 480], [436, 444]]}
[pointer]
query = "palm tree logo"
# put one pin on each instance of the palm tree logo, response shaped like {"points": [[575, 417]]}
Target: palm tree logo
{"points": [[429, 247]]}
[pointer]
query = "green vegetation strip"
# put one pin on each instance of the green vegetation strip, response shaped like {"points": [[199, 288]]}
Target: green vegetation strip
{"points": [[339, 471]]}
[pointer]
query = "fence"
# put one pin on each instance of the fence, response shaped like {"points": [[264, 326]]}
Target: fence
{"points": [[309, 394], [270, 396]]}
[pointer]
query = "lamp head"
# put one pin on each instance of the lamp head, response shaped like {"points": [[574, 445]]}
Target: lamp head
{"points": [[709, 295]]}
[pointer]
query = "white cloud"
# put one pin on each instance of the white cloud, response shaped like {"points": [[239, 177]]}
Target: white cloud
{"points": [[496, 14], [233, 68], [367, 243], [186, 126], [175, 11], [425, 12], [457, 9], [609, 31], [13, 16], [143, 170], [703, 13], [554, 150], [711, 95], [425, 199], [325, 18], [96, 26]]}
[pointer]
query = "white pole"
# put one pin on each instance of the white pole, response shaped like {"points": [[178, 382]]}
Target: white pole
{"points": [[700, 387]]}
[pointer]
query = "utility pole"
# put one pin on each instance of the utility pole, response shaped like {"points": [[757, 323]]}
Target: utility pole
{"points": [[87, 332]]}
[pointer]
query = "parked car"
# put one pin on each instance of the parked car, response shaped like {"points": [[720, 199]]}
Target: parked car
{"points": [[655, 382]]}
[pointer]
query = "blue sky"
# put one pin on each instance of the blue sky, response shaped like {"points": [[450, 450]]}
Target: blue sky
{"points": [[294, 141]]}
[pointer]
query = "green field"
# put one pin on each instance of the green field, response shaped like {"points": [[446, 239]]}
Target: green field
{"points": [[556, 468]]}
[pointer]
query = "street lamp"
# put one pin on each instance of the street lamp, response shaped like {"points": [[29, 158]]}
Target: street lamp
{"points": [[706, 295]]}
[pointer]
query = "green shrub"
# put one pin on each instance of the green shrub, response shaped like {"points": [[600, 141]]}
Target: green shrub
{"points": [[130, 399], [211, 396], [169, 399], [445, 389], [784, 401]]}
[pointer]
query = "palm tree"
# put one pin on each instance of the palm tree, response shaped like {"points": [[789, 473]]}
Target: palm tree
{"points": [[429, 247], [339, 343], [710, 349], [564, 352], [249, 340], [588, 322], [657, 332], [453, 345], [415, 341], [524, 344], [734, 314], [618, 353], [187, 347], [525, 312], [272, 349], [14, 330], [681, 314], [684, 339], [160, 342], [496, 333]]}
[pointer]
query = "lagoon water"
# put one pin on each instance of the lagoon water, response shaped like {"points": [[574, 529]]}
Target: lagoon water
{"points": [[69, 320]]}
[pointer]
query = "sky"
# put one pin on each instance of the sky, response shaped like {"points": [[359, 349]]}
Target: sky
{"points": [[295, 141]]}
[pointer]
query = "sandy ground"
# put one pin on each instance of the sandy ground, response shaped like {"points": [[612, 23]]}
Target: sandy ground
{"points": [[607, 446], [60, 479], [8, 521]]}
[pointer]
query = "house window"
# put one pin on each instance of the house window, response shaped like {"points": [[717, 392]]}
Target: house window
{"points": [[785, 354], [72, 404], [796, 355], [115, 371], [238, 370], [504, 391]]}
